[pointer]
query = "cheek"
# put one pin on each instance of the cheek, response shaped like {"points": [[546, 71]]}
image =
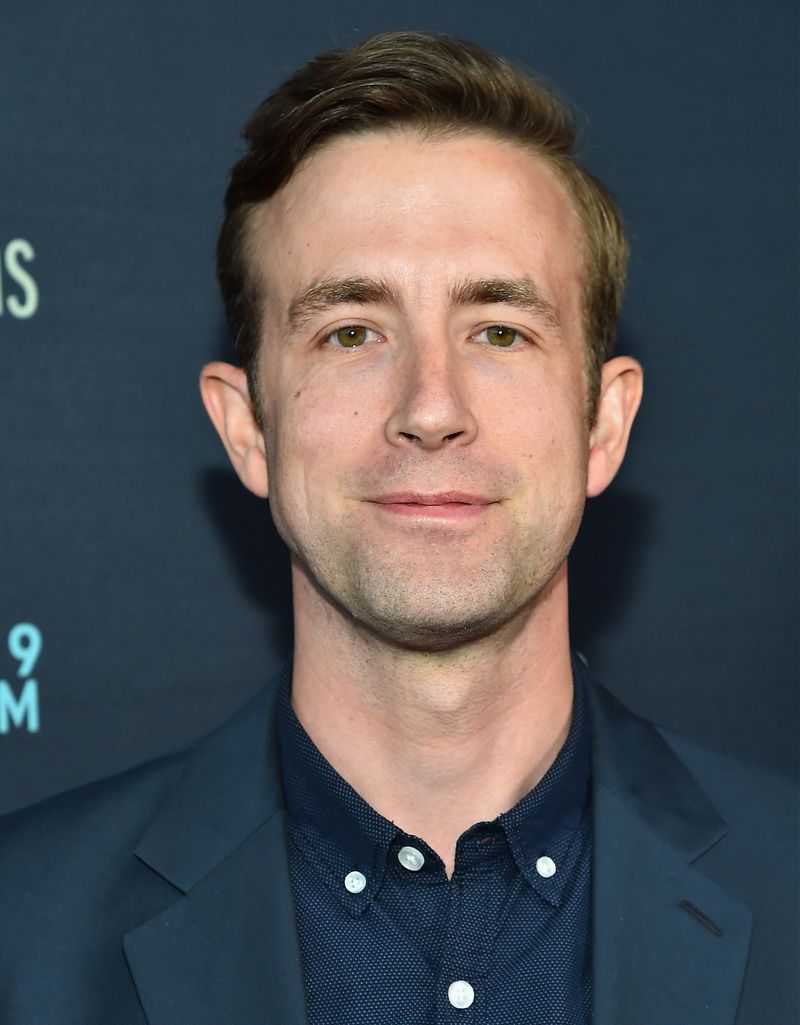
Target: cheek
{"points": [[314, 441], [544, 419], [550, 440]]}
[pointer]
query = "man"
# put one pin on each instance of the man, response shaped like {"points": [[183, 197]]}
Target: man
{"points": [[435, 815]]}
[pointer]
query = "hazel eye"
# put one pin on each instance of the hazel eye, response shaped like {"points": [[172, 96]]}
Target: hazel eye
{"points": [[500, 335], [351, 336]]}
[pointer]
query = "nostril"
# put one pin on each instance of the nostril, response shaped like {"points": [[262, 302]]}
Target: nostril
{"points": [[452, 437]]}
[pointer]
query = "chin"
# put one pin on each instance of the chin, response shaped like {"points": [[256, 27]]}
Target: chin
{"points": [[428, 637], [435, 625]]}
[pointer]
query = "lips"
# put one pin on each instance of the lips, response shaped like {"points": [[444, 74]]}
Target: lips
{"points": [[440, 498], [441, 505]]}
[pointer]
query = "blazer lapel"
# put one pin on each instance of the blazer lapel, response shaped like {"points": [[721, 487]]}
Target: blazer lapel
{"points": [[226, 949], [670, 945]]}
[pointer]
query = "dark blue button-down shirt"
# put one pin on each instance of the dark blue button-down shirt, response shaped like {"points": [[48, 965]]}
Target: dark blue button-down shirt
{"points": [[387, 945]]}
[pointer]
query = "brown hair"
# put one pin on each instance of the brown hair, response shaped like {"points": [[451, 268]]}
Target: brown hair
{"points": [[435, 84]]}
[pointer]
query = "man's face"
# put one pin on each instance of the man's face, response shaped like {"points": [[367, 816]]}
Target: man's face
{"points": [[423, 381]]}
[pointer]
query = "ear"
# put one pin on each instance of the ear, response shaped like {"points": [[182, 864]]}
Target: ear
{"points": [[620, 394], [226, 397]]}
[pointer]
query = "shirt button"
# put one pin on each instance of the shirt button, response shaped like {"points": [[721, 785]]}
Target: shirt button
{"points": [[411, 858], [460, 994], [355, 881], [546, 867]]}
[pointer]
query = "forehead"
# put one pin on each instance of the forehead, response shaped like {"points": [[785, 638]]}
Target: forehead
{"points": [[423, 211]]}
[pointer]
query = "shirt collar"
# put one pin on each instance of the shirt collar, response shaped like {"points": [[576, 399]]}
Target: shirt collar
{"points": [[323, 807], [347, 832], [546, 823]]}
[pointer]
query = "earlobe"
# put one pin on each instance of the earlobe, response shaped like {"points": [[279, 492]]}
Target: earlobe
{"points": [[226, 396], [620, 395]]}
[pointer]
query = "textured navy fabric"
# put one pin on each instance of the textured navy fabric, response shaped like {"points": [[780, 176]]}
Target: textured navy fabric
{"points": [[390, 952]]}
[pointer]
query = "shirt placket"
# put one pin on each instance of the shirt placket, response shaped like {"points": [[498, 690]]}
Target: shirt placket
{"points": [[479, 893]]}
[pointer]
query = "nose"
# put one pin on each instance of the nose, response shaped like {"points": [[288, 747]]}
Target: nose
{"points": [[432, 408]]}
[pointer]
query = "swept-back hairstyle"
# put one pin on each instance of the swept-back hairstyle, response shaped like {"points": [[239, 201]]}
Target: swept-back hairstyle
{"points": [[436, 85]]}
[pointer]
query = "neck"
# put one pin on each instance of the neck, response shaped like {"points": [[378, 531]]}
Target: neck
{"points": [[436, 741]]}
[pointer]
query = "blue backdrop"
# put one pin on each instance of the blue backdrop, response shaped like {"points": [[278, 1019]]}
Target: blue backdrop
{"points": [[145, 593]]}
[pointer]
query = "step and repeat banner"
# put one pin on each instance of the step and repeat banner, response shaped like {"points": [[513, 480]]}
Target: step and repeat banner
{"points": [[145, 594]]}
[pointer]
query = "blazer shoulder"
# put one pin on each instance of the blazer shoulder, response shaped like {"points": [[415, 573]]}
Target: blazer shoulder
{"points": [[747, 796], [71, 886], [94, 829], [81, 870], [119, 807], [76, 848], [735, 823], [659, 768], [97, 809]]}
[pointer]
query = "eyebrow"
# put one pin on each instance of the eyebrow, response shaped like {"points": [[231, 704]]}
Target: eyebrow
{"points": [[520, 292], [331, 292], [323, 295]]}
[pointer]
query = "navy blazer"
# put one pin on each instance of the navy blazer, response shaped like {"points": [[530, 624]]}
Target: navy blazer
{"points": [[162, 895]]}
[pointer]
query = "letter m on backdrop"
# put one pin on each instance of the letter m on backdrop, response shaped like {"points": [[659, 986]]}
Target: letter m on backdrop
{"points": [[19, 711]]}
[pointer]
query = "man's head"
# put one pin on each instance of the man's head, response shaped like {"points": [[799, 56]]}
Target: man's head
{"points": [[437, 86], [417, 296]]}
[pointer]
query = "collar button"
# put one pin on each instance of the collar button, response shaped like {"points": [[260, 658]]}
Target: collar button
{"points": [[355, 882], [411, 858], [546, 867]]}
